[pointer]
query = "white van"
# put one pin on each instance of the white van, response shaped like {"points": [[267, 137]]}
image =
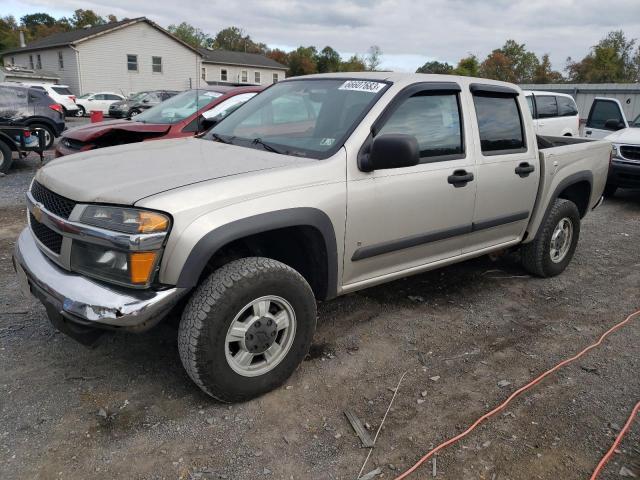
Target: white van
{"points": [[554, 114], [59, 94]]}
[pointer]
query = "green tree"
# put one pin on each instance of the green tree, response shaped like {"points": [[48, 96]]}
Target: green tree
{"points": [[468, 66], [189, 34], [545, 73], [279, 56], [374, 58], [302, 61], [436, 67], [328, 60], [85, 18], [355, 63], [234, 39], [9, 36], [511, 63]]}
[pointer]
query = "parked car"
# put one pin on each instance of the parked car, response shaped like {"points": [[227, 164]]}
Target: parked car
{"points": [[554, 114], [319, 186], [139, 102], [100, 101], [183, 115], [60, 94], [25, 106]]}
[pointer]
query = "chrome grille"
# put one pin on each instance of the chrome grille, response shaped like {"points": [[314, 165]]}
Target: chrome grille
{"points": [[56, 204], [50, 239]]}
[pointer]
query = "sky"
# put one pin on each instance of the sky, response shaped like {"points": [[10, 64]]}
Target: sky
{"points": [[410, 32]]}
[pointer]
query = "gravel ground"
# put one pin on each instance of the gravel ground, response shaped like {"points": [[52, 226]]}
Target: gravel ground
{"points": [[127, 409]]}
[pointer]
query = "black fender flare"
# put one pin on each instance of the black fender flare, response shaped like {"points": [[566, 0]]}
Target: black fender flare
{"points": [[264, 222]]}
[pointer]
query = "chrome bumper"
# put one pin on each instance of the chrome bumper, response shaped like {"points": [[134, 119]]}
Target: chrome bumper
{"points": [[85, 301]]}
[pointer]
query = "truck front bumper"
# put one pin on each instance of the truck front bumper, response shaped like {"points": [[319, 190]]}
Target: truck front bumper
{"points": [[84, 302], [624, 174]]}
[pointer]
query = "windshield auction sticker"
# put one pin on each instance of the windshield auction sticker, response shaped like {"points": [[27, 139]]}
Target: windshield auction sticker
{"points": [[362, 86]]}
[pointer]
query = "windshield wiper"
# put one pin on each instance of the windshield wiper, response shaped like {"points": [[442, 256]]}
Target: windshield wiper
{"points": [[219, 138], [258, 141]]}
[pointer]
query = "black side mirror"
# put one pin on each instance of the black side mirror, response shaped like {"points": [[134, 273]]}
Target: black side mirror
{"points": [[393, 150], [613, 124]]}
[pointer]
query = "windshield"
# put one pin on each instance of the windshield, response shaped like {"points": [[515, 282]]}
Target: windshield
{"points": [[636, 122], [86, 95], [178, 107], [137, 95], [307, 118]]}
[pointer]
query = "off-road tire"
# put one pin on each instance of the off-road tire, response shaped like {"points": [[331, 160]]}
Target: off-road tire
{"points": [[5, 158], [535, 255], [211, 310], [609, 191]]}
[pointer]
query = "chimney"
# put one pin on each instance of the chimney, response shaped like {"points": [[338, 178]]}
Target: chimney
{"points": [[22, 42]]}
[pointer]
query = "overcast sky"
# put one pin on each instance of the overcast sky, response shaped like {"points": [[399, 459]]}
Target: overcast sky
{"points": [[410, 32]]}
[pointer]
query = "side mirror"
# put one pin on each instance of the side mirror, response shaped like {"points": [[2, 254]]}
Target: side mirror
{"points": [[613, 124], [146, 100], [393, 150]]}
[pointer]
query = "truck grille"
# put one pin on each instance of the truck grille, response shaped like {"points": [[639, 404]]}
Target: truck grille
{"points": [[50, 239], [629, 152], [56, 204]]}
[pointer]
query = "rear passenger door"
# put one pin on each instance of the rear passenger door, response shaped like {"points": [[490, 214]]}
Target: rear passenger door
{"points": [[508, 169], [403, 218]]}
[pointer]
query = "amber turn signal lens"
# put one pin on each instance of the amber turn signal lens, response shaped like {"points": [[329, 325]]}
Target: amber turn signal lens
{"points": [[151, 222], [140, 266]]}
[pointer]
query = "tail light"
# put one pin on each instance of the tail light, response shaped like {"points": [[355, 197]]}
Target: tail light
{"points": [[57, 107], [73, 97]]}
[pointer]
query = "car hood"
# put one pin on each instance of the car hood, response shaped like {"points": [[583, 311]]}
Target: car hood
{"points": [[92, 131], [120, 103], [128, 173], [626, 135]]}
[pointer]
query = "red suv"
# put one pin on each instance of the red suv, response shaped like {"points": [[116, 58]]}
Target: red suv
{"points": [[184, 115]]}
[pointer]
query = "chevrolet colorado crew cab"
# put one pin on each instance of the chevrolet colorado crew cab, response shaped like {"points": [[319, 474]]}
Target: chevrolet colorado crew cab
{"points": [[318, 186]]}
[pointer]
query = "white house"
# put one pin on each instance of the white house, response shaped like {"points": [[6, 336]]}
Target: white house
{"points": [[222, 67]]}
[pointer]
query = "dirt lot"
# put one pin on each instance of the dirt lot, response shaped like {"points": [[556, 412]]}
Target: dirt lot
{"points": [[128, 410]]}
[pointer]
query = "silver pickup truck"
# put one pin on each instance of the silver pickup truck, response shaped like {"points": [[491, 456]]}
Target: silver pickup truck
{"points": [[317, 187]]}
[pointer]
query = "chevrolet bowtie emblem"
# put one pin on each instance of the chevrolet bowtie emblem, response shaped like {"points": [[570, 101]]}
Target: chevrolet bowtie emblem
{"points": [[36, 211]]}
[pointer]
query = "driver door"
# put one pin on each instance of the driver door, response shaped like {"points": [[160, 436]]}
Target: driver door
{"points": [[602, 111]]}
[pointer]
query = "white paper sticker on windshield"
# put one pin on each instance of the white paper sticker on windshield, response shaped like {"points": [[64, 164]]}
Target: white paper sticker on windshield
{"points": [[362, 86], [212, 94]]}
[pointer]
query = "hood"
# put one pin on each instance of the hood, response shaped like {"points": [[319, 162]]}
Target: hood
{"points": [[128, 173], [626, 135], [120, 103], [92, 131]]}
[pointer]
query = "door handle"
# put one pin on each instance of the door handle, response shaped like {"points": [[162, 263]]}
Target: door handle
{"points": [[460, 178], [588, 132], [524, 169]]}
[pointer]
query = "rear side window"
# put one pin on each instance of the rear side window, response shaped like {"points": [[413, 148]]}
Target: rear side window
{"points": [[62, 90], [530, 105], [500, 124], [546, 106], [566, 107], [435, 122], [602, 111]]}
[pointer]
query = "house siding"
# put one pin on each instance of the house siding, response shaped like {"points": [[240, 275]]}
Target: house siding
{"points": [[234, 73], [49, 58], [103, 61]]}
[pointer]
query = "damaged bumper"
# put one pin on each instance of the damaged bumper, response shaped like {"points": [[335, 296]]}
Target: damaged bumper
{"points": [[85, 302]]}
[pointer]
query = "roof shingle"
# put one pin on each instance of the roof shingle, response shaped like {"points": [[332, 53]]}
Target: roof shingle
{"points": [[228, 57]]}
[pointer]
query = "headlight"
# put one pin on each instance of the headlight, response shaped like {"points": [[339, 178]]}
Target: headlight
{"points": [[115, 266], [615, 151], [125, 220]]}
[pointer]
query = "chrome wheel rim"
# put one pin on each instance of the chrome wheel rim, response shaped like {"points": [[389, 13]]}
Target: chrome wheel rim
{"points": [[561, 240], [260, 336], [80, 112], [134, 113]]}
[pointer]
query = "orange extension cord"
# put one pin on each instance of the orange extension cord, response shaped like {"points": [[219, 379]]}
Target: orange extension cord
{"points": [[519, 391]]}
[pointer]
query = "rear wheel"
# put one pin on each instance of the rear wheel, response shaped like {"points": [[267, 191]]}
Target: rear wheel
{"points": [[133, 113], [81, 111], [246, 328], [553, 247], [5, 158], [49, 136]]}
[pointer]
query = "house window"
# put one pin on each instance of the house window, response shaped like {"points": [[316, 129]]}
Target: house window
{"points": [[31, 62], [244, 78], [203, 73], [60, 61], [275, 78], [39, 62], [13, 60], [256, 77], [132, 63], [223, 74], [156, 64]]}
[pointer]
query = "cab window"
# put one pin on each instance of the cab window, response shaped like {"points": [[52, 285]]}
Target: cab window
{"points": [[566, 107], [602, 111], [500, 124], [546, 106]]}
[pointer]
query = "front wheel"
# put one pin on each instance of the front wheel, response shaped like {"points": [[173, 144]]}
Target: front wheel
{"points": [[549, 253], [246, 328], [133, 113], [81, 111]]}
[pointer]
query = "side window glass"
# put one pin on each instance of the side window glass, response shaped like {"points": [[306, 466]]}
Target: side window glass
{"points": [[435, 122], [530, 105], [546, 106], [500, 125], [98, 97], [602, 111], [566, 107]]}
